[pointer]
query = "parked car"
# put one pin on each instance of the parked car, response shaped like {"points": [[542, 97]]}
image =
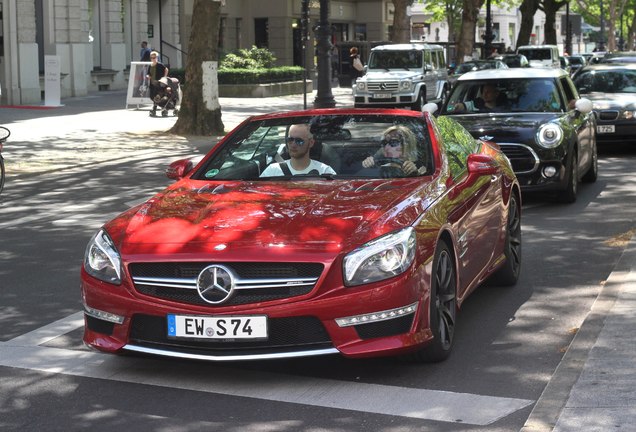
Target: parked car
{"points": [[619, 57], [232, 263], [540, 123], [514, 60], [612, 89], [474, 65], [576, 63], [565, 64], [403, 75], [541, 55]]}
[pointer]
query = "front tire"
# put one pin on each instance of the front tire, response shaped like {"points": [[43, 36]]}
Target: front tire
{"points": [[2, 174], [592, 173], [568, 195], [418, 105], [442, 307]]}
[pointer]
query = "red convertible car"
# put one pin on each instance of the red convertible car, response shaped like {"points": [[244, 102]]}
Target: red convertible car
{"points": [[349, 231]]}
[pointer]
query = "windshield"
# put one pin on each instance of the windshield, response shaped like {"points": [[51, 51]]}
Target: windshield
{"points": [[511, 95], [606, 81], [537, 53], [336, 147], [396, 60]]}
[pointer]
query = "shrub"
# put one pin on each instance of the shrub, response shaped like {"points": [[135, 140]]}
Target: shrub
{"points": [[253, 58]]}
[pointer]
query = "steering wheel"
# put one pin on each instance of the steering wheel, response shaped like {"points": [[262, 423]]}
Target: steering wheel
{"points": [[390, 167]]}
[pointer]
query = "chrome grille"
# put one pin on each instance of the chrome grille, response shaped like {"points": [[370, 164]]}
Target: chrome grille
{"points": [[383, 86], [256, 282], [608, 115], [522, 158]]}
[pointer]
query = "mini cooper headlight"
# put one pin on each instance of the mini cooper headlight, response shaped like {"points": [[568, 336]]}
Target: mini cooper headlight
{"points": [[405, 85], [379, 259], [361, 85], [628, 115], [549, 135], [101, 259]]}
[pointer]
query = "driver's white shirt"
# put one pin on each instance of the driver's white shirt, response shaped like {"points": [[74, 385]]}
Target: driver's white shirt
{"points": [[274, 169]]}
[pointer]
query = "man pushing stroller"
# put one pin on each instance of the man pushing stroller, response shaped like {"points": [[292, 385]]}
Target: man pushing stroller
{"points": [[167, 96]]}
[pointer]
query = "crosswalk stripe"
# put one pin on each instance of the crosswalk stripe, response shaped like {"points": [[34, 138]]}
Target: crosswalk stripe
{"points": [[414, 403]]}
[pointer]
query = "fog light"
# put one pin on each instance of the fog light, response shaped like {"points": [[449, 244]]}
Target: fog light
{"points": [[549, 171], [376, 316], [106, 316]]}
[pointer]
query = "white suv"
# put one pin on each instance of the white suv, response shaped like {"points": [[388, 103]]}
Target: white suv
{"points": [[541, 55], [403, 75]]}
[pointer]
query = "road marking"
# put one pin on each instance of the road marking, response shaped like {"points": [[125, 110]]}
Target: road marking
{"points": [[24, 353]]}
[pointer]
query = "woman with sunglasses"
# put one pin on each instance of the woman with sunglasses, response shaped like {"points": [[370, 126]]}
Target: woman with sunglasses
{"points": [[399, 151], [299, 142]]}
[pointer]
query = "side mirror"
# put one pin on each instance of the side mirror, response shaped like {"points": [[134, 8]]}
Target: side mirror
{"points": [[482, 164], [179, 169], [583, 105], [430, 107]]}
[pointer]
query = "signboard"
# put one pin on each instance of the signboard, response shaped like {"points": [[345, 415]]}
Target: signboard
{"points": [[138, 84], [52, 88]]}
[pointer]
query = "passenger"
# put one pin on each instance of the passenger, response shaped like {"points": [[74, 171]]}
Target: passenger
{"points": [[399, 149], [299, 143]]}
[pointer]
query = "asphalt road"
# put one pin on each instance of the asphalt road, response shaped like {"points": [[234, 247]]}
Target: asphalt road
{"points": [[72, 172]]}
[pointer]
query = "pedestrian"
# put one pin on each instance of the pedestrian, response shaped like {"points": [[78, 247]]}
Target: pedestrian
{"points": [[156, 71], [144, 55], [357, 69], [493, 53]]}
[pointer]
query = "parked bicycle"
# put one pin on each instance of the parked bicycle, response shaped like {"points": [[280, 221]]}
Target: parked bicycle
{"points": [[4, 134]]}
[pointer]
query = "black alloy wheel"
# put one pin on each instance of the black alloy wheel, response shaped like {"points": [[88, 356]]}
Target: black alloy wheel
{"points": [[592, 173], [418, 105], [568, 195], [443, 307], [508, 273]]}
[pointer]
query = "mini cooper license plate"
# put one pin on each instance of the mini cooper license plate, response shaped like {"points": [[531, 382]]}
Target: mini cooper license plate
{"points": [[381, 95], [605, 129], [220, 327]]}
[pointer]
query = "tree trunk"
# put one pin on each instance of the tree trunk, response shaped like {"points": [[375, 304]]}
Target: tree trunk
{"points": [[551, 7], [200, 112], [466, 41], [401, 31], [630, 35], [528, 8]]}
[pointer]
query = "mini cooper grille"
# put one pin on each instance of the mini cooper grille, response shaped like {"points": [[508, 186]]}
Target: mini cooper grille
{"points": [[522, 158], [608, 115], [284, 333], [256, 282], [383, 86]]}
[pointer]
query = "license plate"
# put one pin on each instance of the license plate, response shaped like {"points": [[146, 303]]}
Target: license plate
{"points": [[220, 327], [605, 128], [381, 95]]}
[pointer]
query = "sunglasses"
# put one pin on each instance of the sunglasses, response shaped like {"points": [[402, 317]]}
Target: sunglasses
{"points": [[393, 142], [295, 140]]}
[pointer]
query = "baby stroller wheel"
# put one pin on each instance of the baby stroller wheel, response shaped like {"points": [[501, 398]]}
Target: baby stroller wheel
{"points": [[153, 114], [164, 113], [175, 112]]}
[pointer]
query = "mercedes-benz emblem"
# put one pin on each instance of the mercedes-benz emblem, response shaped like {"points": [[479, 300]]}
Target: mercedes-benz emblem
{"points": [[382, 86], [215, 284]]}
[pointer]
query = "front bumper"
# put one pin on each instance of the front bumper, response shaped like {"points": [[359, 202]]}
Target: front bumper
{"points": [[298, 327]]}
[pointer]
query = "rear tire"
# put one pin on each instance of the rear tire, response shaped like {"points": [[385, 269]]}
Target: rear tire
{"points": [[1, 174], [508, 273], [442, 307]]}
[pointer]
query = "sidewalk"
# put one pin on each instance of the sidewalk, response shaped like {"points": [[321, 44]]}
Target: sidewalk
{"points": [[592, 390]]}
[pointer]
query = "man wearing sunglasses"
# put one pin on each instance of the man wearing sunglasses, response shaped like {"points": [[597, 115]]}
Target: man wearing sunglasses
{"points": [[299, 143]]}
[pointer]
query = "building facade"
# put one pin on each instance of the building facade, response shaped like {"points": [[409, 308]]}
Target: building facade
{"points": [[96, 40]]}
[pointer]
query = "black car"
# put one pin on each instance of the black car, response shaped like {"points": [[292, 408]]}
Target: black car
{"points": [[539, 121], [612, 89], [576, 63]]}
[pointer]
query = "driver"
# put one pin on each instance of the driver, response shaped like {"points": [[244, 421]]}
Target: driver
{"points": [[398, 148], [299, 141]]}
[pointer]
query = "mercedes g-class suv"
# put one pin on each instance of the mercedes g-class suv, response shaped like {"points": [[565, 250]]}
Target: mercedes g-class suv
{"points": [[403, 75]]}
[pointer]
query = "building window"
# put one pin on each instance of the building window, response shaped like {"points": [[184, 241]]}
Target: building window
{"points": [[361, 32], [239, 39], [222, 30], [261, 32]]}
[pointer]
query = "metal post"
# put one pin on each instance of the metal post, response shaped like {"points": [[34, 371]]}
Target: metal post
{"points": [[488, 37], [304, 34], [324, 97]]}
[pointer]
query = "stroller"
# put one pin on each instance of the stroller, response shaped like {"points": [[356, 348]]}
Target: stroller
{"points": [[166, 94]]}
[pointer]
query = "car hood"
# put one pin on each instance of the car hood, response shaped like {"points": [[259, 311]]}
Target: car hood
{"points": [[393, 74], [603, 101], [504, 126], [194, 217]]}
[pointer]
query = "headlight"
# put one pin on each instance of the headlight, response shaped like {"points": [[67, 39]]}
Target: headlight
{"points": [[549, 135], [381, 258], [405, 85], [101, 259], [628, 115], [361, 85]]}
